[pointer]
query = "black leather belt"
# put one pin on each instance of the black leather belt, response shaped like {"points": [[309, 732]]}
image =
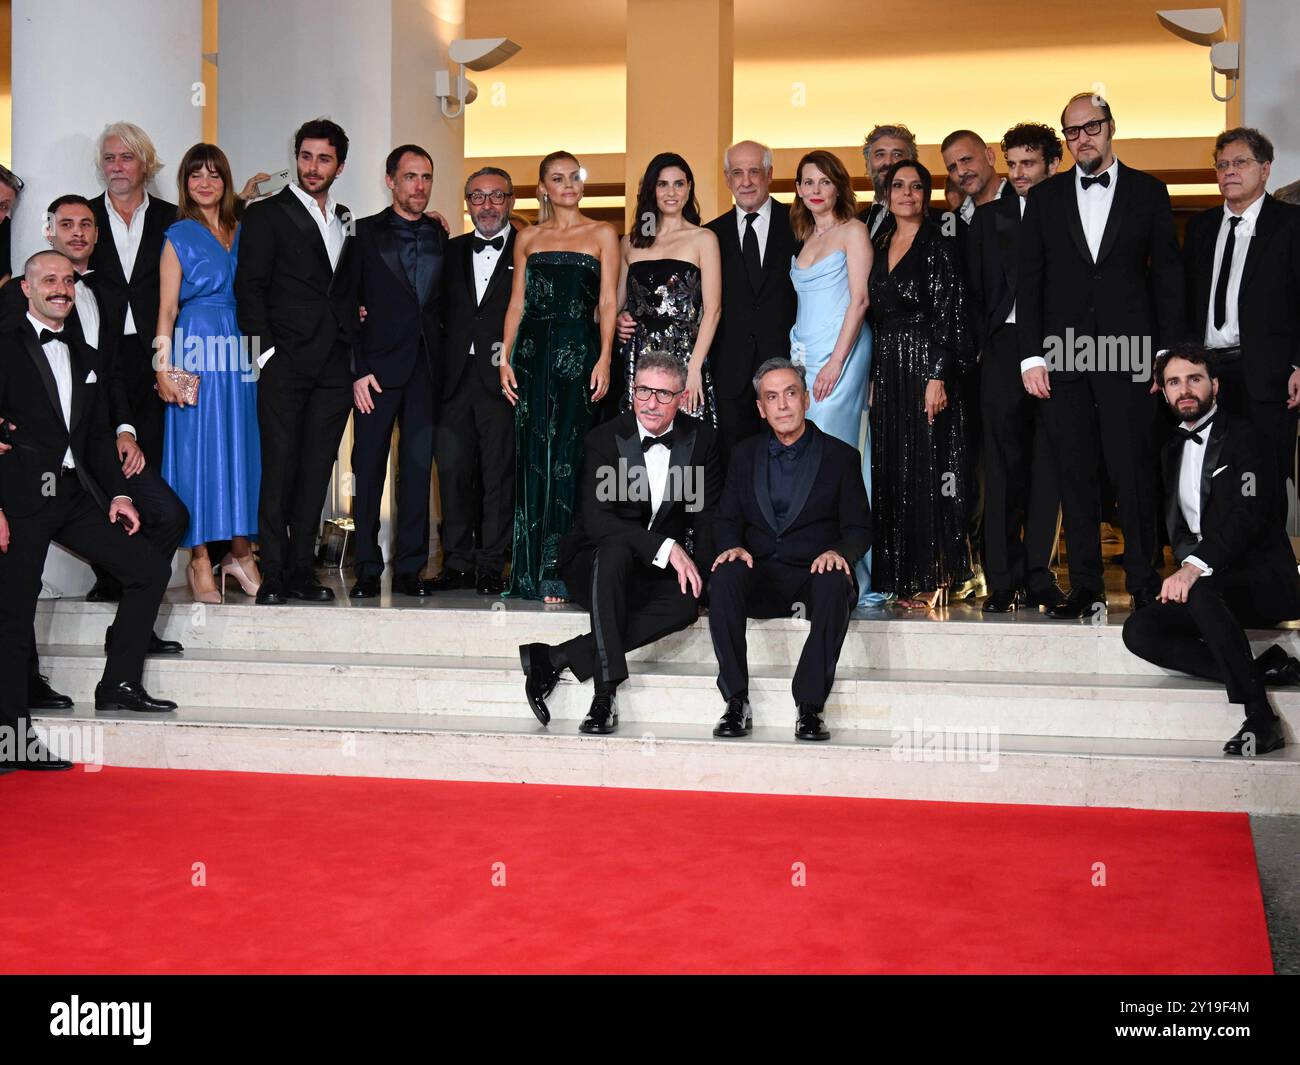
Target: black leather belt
{"points": [[1227, 356]]}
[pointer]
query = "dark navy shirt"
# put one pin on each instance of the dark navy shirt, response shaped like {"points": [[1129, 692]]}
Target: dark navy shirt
{"points": [[782, 467], [417, 245]]}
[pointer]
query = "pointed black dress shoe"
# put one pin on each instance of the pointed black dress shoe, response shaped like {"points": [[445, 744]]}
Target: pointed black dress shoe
{"points": [[1048, 597], [810, 725], [540, 677], [35, 756], [1256, 736], [129, 696], [602, 718], [1002, 602], [1277, 668], [309, 590], [104, 592], [736, 720], [451, 580], [1142, 599], [365, 588], [490, 584], [411, 584], [157, 645], [270, 592], [1080, 603], [40, 696]]}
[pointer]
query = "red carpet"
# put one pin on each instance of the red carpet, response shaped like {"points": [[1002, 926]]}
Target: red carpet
{"points": [[328, 874]]}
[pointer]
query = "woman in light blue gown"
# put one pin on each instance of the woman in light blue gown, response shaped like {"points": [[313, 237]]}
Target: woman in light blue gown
{"points": [[830, 335]]}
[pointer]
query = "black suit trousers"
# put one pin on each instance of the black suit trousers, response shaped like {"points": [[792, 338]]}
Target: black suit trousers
{"points": [[163, 517], [475, 448], [1020, 483], [410, 408], [302, 410], [773, 589], [631, 604], [74, 520]]}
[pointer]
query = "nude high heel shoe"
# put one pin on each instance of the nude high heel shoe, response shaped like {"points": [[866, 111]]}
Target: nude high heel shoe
{"points": [[248, 581], [198, 575]]}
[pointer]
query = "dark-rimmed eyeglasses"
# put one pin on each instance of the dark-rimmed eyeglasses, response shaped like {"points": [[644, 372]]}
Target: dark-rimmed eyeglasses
{"points": [[1091, 128], [478, 199], [663, 395]]}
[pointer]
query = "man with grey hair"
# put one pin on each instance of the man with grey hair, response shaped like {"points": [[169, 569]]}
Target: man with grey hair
{"points": [[651, 481], [884, 146], [792, 523]]}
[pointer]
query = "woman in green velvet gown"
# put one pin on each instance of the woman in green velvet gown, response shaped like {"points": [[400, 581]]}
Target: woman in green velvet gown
{"points": [[559, 334]]}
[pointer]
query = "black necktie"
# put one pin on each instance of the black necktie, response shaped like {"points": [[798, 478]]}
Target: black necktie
{"points": [[1103, 180], [749, 252], [46, 335], [648, 442], [1225, 270], [1193, 434], [496, 243]]}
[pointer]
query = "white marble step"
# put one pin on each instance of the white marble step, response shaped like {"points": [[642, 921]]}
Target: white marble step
{"points": [[959, 639], [668, 693], [1184, 775]]}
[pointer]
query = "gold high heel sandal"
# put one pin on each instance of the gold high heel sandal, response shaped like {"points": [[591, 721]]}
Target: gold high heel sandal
{"points": [[234, 567], [926, 600], [208, 594]]}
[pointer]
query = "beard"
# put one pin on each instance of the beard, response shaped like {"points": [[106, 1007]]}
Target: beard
{"points": [[1089, 165], [1202, 409]]}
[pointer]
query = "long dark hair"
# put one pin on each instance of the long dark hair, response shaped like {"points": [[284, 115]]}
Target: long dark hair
{"points": [[212, 157], [647, 206], [926, 181]]}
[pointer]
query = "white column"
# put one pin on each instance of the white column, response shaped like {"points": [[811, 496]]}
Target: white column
{"points": [[1270, 57], [138, 61]]}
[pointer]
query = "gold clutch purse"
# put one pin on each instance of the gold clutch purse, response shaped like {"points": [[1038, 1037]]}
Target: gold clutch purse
{"points": [[185, 383]]}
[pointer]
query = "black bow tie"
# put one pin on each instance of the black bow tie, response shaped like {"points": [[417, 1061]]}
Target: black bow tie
{"points": [[647, 442], [46, 335], [1101, 179], [496, 244], [1193, 434], [775, 447], [81, 277]]}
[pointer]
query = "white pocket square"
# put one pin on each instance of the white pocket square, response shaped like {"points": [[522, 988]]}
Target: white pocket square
{"points": [[1218, 471], [91, 378]]}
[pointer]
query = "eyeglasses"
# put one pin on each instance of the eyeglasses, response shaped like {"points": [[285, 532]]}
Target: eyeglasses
{"points": [[643, 392], [1224, 165], [478, 199], [1091, 128]]}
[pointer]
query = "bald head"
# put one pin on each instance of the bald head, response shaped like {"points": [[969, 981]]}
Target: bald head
{"points": [[747, 167], [50, 287]]}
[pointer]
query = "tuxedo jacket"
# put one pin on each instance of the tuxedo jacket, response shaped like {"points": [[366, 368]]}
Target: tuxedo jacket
{"points": [[401, 325], [29, 397], [829, 511], [140, 291], [992, 257], [755, 325], [285, 292], [467, 322], [1240, 532], [1134, 289], [1268, 301], [615, 496]]}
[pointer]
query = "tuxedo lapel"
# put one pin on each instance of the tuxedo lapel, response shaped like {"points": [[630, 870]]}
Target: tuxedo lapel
{"points": [[106, 257], [806, 477], [306, 226], [386, 241], [762, 491], [1264, 230], [1118, 205], [1072, 220], [1213, 449], [684, 433], [1006, 217], [43, 368], [628, 439], [1173, 458], [502, 269], [80, 390]]}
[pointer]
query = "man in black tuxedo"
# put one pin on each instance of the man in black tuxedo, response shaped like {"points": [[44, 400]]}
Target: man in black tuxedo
{"points": [[1020, 485], [792, 523], [1248, 312], [651, 482], [124, 263], [1236, 568], [475, 438], [884, 146], [399, 258], [1100, 291], [296, 292], [56, 477]]}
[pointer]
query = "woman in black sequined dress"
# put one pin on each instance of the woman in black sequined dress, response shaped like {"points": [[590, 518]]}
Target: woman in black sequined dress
{"points": [[918, 410], [671, 288]]}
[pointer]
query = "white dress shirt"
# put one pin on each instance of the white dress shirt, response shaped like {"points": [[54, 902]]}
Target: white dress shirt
{"points": [[1230, 335], [485, 263], [1189, 484], [88, 315], [657, 460], [1021, 200], [329, 223], [761, 226], [127, 240], [968, 205]]}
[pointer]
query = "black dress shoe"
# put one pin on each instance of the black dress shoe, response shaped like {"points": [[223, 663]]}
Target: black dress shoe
{"points": [[35, 756], [365, 588], [451, 580], [1048, 597], [104, 592], [602, 718], [540, 677], [410, 584], [1078, 604], [1277, 668], [1256, 736], [40, 696], [1142, 599], [490, 584], [1002, 602], [157, 645], [270, 592], [810, 725], [736, 720], [309, 590], [129, 696]]}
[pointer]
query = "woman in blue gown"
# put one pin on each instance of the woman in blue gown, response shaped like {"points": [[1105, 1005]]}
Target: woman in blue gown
{"points": [[830, 335], [211, 448]]}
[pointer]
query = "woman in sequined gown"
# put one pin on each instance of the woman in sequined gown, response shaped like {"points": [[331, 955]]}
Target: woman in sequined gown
{"points": [[918, 410], [559, 334], [671, 283]]}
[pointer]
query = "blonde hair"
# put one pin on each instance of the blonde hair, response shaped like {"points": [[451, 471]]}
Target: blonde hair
{"points": [[134, 138], [544, 210]]}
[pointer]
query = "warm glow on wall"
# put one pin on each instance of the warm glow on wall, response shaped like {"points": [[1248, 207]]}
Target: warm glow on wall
{"points": [[533, 111]]}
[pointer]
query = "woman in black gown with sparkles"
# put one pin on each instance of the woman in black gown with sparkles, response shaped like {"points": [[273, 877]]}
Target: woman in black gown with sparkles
{"points": [[920, 465]]}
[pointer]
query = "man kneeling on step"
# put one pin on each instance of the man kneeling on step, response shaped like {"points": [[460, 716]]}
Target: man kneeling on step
{"points": [[650, 482]]}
